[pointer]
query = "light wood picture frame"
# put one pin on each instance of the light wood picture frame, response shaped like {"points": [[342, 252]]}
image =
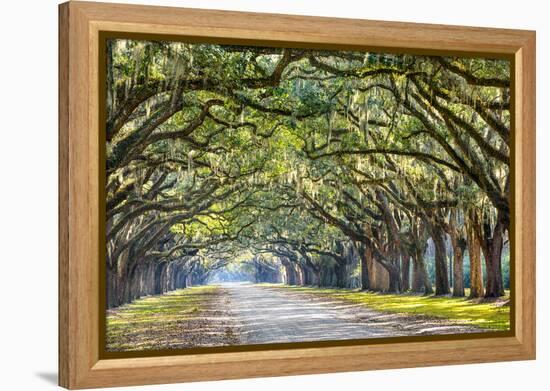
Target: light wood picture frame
{"points": [[81, 24]]}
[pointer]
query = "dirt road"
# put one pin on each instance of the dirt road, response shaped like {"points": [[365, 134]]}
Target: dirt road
{"points": [[248, 314], [273, 315]]}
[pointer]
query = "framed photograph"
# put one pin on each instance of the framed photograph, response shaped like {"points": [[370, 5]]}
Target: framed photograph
{"points": [[246, 195]]}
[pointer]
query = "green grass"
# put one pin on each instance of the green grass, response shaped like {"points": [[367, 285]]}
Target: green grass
{"points": [[140, 324], [459, 310]]}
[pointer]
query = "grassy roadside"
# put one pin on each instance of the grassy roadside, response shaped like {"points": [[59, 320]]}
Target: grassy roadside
{"points": [[460, 310], [155, 322]]}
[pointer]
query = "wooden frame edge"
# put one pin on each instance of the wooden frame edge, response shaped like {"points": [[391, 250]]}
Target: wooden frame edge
{"points": [[181, 369], [63, 219], [526, 212], [79, 364]]}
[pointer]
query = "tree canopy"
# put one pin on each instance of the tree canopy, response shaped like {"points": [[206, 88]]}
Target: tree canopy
{"points": [[318, 160]]}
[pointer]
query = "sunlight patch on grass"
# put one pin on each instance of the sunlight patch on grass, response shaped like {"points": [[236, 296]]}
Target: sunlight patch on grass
{"points": [[455, 309]]}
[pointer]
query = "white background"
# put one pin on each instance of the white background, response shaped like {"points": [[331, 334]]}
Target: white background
{"points": [[28, 194]]}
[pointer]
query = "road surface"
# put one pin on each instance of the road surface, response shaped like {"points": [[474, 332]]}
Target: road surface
{"points": [[264, 314]]}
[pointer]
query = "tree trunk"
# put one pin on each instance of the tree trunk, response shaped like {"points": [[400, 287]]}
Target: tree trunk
{"points": [[492, 252], [395, 280], [306, 279], [317, 273], [474, 252], [451, 267], [339, 270], [493, 265], [289, 276], [378, 275], [112, 289], [300, 280], [458, 272], [405, 273], [421, 282], [365, 254], [459, 244], [290, 273], [441, 275]]}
